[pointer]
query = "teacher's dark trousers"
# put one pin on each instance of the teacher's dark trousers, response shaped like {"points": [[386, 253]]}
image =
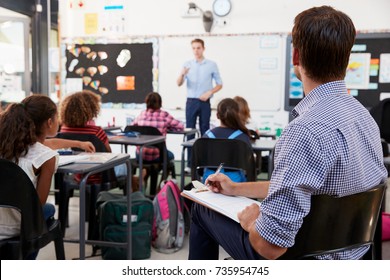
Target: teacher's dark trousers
{"points": [[195, 108], [210, 229]]}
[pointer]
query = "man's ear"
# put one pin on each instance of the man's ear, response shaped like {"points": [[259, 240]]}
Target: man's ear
{"points": [[295, 57]]}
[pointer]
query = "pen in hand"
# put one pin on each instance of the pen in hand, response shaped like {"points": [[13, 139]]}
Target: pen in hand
{"points": [[216, 173]]}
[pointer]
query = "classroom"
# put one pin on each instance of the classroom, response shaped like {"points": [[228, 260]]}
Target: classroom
{"points": [[123, 50]]}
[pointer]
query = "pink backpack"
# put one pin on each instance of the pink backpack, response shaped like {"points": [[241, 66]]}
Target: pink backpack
{"points": [[385, 226], [168, 224]]}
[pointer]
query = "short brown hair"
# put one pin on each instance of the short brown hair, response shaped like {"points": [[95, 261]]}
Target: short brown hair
{"points": [[197, 40], [153, 101], [324, 38], [79, 108]]}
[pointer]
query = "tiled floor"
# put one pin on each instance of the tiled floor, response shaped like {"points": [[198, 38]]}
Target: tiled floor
{"points": [[72, 250]]}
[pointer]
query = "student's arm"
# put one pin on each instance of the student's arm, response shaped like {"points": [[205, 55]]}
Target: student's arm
{"points": [[58, 143], [45, 175], [247, 219], [174, 124], [222, 183], [181, 78], [108, 147], [205, 96]]}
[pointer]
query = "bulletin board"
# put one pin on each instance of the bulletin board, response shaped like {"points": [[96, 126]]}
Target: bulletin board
{"points": [[120, 73], [368, 72], [251, 66]]}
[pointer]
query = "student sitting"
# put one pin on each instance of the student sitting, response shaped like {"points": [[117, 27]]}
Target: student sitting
{"points": [[23, 129], [231, 127], [154, 116], [76, 113], [163, 121]]}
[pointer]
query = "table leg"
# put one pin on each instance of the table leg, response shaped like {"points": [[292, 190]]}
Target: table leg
{"points": [[82, 217], [129, 233], [140, 169], [270, 163], [182, 168]]}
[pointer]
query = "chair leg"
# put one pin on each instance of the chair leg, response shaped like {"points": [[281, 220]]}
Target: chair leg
{"points": [[59, 247], [153, 180], [92, 225]]}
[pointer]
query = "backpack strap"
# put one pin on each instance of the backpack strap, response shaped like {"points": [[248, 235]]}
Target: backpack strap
{"points": [[176, 194], [210, 134], [235, 134]]}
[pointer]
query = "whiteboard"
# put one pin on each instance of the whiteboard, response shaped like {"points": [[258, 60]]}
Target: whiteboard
{"points": [[251, 66]]}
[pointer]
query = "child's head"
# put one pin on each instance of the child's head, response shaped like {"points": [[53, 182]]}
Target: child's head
{"points": [[22, 124], [153, 101], [228, 114], [79, 108], [243, 109]]}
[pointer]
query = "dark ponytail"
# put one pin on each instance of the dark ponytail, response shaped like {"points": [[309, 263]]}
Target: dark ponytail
{"points": [[228, 113], [21, 123]]}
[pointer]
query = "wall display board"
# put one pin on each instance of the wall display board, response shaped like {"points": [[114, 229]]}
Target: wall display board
{"points": [[120, 73], [251, 66], [367, 76]]}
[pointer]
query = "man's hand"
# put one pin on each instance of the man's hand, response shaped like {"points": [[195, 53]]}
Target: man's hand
{"points": [[220, 183], [185, 71], [248, 216], [206, 96]]}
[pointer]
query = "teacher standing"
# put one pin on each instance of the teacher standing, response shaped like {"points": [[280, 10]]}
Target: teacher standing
{"points": [[199, 74]]}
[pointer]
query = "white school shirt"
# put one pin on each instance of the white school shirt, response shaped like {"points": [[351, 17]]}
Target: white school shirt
{"points": [[37, 155]]}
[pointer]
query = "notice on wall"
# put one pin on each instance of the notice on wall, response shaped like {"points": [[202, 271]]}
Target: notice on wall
{"points": [[120, 73]]}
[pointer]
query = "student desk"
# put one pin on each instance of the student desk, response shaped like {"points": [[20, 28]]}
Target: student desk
{"points": [[266, 146], [92, 168], [141, 141], [259, 145], [111, 128], [186, 132]]}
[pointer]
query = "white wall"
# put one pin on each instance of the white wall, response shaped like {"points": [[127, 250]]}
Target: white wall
{"points": [[163, 19]]}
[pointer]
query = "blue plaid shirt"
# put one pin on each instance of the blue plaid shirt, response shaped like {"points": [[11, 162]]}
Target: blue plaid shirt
{"points": [[331, 147]]}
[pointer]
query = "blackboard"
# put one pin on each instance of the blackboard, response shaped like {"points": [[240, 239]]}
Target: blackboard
{"points": [[374, 48], [120, 73]]}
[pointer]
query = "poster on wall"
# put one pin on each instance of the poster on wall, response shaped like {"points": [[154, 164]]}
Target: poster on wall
{"points": [[120, 73]]}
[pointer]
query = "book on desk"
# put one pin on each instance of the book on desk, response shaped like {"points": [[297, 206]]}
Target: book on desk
{"points": [[86, 158], [226, 205]]}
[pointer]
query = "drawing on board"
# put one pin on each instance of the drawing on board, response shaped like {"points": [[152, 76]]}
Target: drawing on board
{"points": [[384, 76], [120, 73], [358, 71]]}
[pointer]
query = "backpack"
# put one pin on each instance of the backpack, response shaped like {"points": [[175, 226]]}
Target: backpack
{"points": [[112, 220], [234, 175], [168, 225]]}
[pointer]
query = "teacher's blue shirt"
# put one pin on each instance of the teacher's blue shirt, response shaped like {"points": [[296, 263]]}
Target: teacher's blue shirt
{"points": [[200, 77]]}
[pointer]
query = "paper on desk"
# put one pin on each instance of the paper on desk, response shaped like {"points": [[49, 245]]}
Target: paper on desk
{"points": [[95, 157], [229, 206], [67, 159]]}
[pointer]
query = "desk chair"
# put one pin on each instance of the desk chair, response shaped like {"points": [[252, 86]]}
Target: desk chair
{"points": [[381, 114], [17, 191], [336, 224], [153, 168], [235, 154], [68, 185]]}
